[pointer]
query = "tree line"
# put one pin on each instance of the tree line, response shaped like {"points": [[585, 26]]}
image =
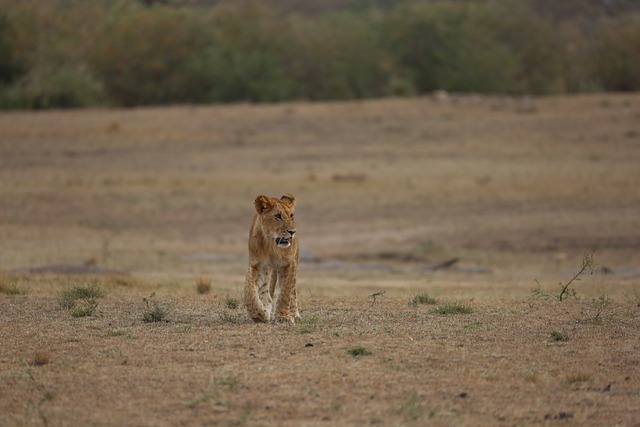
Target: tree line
{"points": [[74, 53]]}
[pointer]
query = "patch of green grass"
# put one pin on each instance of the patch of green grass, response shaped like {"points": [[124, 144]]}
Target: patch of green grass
{"points": [[13, 290], [423, 298], [120, 333], [452, 308], [82, 300], [231, 303], [473, 325], [68, 298], [7, 289], [85, 310], [559, 336], [358, 351], [153, 312]]}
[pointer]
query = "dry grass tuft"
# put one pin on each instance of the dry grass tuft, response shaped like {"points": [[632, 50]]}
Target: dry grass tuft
{"points": [[203, 285], [40, 358]]}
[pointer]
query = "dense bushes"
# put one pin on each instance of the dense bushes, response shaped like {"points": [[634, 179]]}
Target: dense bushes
{"points": [[74, 53]]}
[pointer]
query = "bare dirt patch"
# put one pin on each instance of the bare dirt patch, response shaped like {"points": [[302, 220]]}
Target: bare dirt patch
{"points": [[494, 196], [501, 364]]}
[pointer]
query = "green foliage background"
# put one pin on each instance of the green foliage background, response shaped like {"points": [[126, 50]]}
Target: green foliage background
{"points": [[76, 53]]}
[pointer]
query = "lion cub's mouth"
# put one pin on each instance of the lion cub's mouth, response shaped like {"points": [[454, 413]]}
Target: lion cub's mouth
{"points": [[283, 242]]}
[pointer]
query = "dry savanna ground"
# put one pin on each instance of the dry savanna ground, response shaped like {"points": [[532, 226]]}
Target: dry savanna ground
{"points": [[436, 233]]}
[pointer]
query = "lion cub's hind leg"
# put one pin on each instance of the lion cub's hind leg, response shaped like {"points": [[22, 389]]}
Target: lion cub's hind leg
{"points": [[286, 304]]}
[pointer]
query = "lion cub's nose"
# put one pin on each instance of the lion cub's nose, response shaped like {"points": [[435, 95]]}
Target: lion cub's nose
{"points": [[292, 232]]}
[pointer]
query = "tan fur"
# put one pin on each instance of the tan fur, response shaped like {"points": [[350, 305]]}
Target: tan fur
{"points": [[271, 264]]}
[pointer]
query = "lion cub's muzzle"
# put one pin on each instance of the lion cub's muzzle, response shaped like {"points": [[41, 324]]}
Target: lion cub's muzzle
{"points": [[285, 242]]}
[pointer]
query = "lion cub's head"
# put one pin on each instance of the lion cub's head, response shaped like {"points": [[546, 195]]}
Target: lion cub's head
{"points": [[276, 217]]}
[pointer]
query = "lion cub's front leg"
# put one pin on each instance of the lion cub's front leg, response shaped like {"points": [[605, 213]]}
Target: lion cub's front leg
{"points": [[256, 294], [287, 304]]}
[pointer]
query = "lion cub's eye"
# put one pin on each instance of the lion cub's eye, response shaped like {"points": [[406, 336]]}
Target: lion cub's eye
{"points": [[291, 216], [279, 217]]}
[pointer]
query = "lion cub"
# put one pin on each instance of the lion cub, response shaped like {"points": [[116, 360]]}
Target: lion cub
{"points": [[273, 259]]}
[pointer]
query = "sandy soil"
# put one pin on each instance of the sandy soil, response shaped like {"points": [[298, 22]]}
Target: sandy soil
{"points": [[145, 201]]}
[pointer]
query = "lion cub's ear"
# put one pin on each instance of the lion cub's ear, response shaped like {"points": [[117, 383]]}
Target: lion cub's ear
{"points": [[289, 200], [263, 203]]}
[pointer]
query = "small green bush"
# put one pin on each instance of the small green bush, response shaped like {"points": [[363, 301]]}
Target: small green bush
{"points": [[85, 310], [358, 351], [88, 294], [153, 311], [11, 289], [82, 300], [559, 336], [423, 298], [231, 303], [452, 308]]}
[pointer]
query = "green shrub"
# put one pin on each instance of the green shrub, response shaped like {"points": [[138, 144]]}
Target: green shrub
{"points": [[452, 308], [10, 289], [358, 351], [423, 298], [559, 336], [86, 294], [153, 311], [231, 303]]}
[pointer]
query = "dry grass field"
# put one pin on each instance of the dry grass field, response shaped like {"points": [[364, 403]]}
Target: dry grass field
{"points": [[109, 219]]}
